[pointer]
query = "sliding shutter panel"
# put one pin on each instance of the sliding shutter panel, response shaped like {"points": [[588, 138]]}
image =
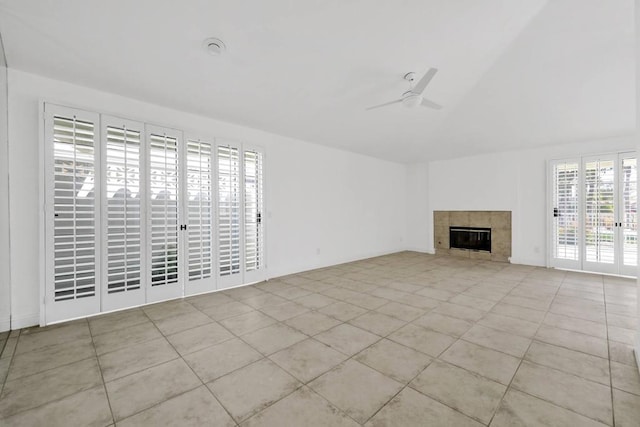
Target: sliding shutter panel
{"points": [[122, 213], [229, 215], [629, 212], [599, 213], [72, 215], [163, 213], [566, 221], [199, 207], [253, 215]]}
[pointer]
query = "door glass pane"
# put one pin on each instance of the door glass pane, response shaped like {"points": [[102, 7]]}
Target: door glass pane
{"points": [[163, 186], [629, 179], [253, 200], [199, 193], [566, 244], [228, 210], [123, 209], [599, 216], [74, 208]]}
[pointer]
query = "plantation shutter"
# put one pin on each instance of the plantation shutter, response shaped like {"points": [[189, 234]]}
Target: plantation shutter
{"points": [[253, 211], [199, 194], [629, 208], [566, 221], [123, 209], [75, 208], [599, 215], [72, 216], [163, 175], [123, 225], [229, 213]]}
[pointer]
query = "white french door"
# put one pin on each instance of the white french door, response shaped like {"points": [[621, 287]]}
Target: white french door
{"points": [[593, 215], [254, 261], [164, 214], [628, 216], [241, 254], [199, 242], [72, 191], [123, 213], [229, 215], [136, 213]]}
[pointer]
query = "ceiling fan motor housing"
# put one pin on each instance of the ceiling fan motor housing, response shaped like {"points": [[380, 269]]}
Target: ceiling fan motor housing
{"points": [[411, 100]]}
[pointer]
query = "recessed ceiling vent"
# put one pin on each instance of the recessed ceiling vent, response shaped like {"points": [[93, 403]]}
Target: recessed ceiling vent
{"points": [[214, 46]]}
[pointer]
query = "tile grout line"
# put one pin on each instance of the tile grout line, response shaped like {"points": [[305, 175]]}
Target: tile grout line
{"points": [[606, 320], [180, 356], [509, 386], [104, 383]]}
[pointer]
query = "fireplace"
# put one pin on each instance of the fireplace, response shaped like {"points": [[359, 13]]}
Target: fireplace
{"points": [[481, 235], [472, 238]]}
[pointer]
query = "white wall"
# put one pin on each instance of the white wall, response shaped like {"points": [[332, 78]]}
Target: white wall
{"points": [[419, 227], [324, 206], [514, 181], [5, 274]]}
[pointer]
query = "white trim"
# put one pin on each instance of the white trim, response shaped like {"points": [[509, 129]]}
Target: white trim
{"points": [[5, 325], [24, 321]]}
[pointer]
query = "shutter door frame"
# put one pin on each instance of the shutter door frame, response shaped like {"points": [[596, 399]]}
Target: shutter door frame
{"points": [[258, 274], [208, 284], [54, 311], [560, 262], [626, 269], [594, 266], [176, 289], [233, 279], [128, 298]]}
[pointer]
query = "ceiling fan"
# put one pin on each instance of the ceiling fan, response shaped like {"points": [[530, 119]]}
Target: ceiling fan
{"points": [[413, 97]]}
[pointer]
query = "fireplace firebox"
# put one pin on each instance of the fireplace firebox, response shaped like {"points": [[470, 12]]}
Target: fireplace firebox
{"points": [[472, 238]]}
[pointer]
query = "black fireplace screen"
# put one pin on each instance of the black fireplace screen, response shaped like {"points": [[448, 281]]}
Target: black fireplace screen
{"points": [[474, 238]]}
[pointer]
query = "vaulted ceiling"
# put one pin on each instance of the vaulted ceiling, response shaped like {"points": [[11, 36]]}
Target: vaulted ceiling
{"points": [[512, 74]]}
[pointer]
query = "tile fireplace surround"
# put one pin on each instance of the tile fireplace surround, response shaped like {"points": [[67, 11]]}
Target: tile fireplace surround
{"points": [[498, 221]]}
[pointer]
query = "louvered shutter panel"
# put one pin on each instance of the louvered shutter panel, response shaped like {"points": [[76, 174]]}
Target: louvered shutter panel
{"points": [[74, 157], [253, 211], [163, 206], [199, 171], [123, 209], [629, 208], [228, 211], [566, 230], [599, 215]]}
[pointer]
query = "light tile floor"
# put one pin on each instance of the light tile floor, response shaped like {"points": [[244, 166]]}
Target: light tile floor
{"points": [[401, 340]]}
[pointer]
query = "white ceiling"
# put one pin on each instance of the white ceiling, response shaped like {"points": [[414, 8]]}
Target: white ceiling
{"points": [[512, 73]]}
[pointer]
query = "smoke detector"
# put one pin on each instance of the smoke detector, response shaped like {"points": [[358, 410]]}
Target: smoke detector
{"points": [[214, 46]]}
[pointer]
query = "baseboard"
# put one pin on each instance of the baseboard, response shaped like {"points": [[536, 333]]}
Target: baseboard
{"points": [[5, 324], [525, 261], [637, 349], [25, 321], [421, 249], [314, 266]]}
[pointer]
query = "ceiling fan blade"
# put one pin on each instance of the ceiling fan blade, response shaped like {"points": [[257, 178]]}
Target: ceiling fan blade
{"points": [[424, 81], [385, 104], [431, 104]]}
